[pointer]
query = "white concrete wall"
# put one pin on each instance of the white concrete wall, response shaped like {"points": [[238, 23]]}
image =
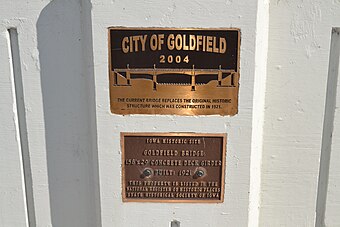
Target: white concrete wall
{"points": [[56, 51], [298, 58], [73, 141], [12, 194], [175, 13]]}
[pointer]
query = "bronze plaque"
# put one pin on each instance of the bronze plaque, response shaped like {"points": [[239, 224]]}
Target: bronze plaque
{"points": [[173, 167], [174, 71]]}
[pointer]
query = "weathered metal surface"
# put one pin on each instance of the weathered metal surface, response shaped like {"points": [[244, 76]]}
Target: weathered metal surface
{"points": [[173, 167], [174, 71]]}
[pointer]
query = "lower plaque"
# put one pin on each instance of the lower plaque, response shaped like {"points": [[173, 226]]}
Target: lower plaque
{"points": [[173, 167]]}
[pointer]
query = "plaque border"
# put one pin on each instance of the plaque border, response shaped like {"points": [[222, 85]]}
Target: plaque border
{"points": [[191, 134]]}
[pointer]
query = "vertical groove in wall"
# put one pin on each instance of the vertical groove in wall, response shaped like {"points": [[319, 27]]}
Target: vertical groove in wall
{"points": [[333, 71], [19, 96]]}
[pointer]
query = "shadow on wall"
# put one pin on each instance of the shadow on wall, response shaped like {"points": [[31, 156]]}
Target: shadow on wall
{"points": [[67, 80]]}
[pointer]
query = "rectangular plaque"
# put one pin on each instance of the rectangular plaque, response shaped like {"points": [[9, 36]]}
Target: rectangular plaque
{"points": [[173, 167], [174, 71]]}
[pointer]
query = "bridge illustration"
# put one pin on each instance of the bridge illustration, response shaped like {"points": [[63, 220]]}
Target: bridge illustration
{"points": [[179, 77]]}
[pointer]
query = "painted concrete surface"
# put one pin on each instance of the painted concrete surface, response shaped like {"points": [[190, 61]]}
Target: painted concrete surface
{"points": [[298, 58], [12, 195], [234, 211], [60, 121], [74, 141]]}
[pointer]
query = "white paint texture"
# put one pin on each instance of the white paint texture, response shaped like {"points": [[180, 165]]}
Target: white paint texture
{"points": [[299, 41], [12, 193], [59, 102], [202, 14], [74, 140]]}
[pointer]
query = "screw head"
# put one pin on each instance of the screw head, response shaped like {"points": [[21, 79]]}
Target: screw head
{"points": [[199, 173], [147, 172]]}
